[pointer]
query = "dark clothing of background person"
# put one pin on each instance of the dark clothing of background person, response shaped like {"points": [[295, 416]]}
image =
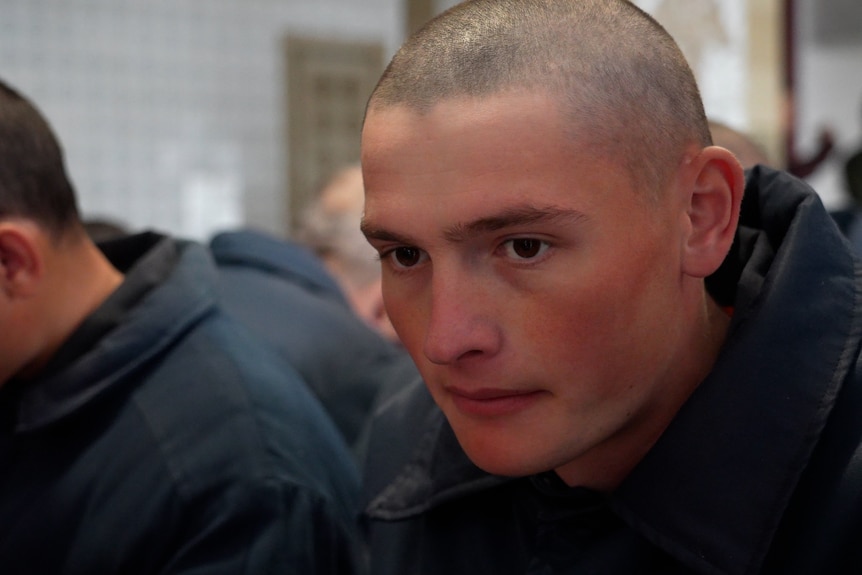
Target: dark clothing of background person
{"points": [[849, 218], [288, 260], [282, 292], [758, 472], [162, 438]]}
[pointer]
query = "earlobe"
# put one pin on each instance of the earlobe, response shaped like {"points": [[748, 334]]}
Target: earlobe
{"points": [[20, 263], [716, 185]]}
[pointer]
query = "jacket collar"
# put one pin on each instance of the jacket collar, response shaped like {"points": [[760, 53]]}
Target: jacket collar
{"points": [[179, 278], [438, 471], [713, 489], [284, 258]]}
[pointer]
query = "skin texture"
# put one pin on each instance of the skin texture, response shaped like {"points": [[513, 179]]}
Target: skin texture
{"points": [[48, 286], [558, 317]]}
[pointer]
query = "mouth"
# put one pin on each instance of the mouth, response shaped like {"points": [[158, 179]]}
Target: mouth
{"points": [[491, 402]]}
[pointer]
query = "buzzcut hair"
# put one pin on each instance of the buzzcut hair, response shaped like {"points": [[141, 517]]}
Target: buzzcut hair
{"points": [[621, 80], [33, 180]]}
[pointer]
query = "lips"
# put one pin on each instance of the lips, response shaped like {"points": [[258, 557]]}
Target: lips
{"points": [[491, 402], [489, 393]]}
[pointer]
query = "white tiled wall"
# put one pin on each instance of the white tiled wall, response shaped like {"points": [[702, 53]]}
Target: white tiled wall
{"points": [[172, 112]]}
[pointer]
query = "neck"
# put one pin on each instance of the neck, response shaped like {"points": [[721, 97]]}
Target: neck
{"points": [[605, 467], [80, 280]]}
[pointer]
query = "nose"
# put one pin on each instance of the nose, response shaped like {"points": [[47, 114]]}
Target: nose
{"points": [[461, 325]]}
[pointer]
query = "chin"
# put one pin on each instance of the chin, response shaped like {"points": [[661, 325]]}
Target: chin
{"points": [[507, 467], [501, 458]]}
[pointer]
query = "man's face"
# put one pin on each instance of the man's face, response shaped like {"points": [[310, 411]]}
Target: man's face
{"points": [[538, 291]]}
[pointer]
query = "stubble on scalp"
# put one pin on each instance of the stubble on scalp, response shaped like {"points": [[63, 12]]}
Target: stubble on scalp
{"points": [[624, 87]]}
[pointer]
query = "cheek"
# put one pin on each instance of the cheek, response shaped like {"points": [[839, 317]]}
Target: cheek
{"points": [[601, 323], [578, 329], [405, 312]]}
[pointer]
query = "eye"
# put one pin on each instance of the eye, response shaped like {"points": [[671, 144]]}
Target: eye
{"points": [[406, 257], [525, 248]]}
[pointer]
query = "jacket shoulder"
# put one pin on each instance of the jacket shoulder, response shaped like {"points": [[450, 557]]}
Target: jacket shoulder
{"points": [[396, 429], [824, 518]]}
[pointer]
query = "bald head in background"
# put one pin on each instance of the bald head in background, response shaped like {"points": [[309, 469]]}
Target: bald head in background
{"points": [[330, 227], [747, 151]]}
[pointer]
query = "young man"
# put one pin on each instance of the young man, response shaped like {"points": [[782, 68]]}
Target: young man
{"points": [[632, 369], [142, 431]]}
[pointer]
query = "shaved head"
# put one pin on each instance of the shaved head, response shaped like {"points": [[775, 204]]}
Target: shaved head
{"points": [[621, 80]]}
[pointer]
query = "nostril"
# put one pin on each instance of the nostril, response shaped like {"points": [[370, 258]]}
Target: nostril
{"points": [[468, 340]]}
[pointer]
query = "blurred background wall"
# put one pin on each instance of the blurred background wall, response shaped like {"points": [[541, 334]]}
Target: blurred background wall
{"points": [[193, 116], [828, 87], [173, 113]]}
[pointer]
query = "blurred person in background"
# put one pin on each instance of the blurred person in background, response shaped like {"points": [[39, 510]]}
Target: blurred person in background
{"points": [[142, 430], [287, 297], [330, 227], [317, 300], [747, 151]]}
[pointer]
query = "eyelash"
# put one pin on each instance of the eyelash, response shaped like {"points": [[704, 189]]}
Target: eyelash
{"points": [[506, 248], [387, 256]]}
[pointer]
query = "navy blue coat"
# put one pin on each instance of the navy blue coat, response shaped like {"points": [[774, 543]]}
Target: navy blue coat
{"points": [[175, 444], [760, 471], [286, 297]]}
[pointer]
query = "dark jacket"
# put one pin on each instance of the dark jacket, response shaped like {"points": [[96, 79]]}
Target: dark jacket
{"points": [[164, 439], [760, 472], [285, 296]]}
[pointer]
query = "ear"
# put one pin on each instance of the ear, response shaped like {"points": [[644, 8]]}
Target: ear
{"points": [[20, 261], [716, 183]]}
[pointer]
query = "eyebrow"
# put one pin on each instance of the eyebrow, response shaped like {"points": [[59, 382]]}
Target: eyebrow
{"points": [[372, 233], [520, 215]]}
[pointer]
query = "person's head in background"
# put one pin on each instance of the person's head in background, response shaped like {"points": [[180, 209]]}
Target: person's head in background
{"points": [[33, 178], [51, 274], [330, 227], [747, 151]]}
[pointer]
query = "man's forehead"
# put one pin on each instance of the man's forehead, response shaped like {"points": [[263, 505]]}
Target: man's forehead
{"points": [[514, 102], [486, 129], [376, 224]]}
